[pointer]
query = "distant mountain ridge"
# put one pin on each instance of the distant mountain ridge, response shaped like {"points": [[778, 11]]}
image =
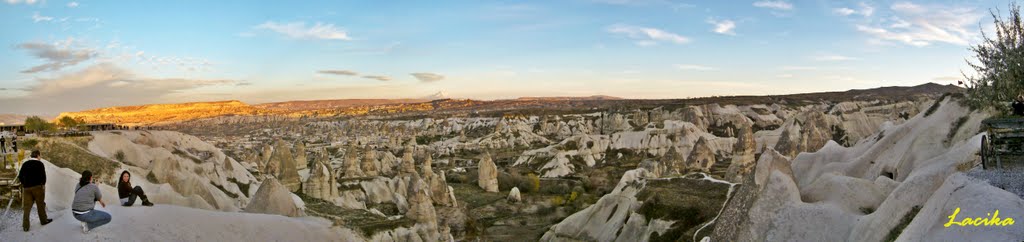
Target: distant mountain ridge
{"points": [[9, 119], [156, 114]]}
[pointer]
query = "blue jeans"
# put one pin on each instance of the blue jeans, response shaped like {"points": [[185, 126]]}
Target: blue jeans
{"points": [[94, 218]]}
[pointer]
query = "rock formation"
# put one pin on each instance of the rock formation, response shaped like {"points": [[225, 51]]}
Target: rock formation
{"points": [[695, 116], [301, 162], [436, 182], [420, 204], [369, 164], [284, 162], [408, 165], [321, 183], [742, 154], [352, 169], [702, 157], [671, 163], [488, 174], [274, 198]]}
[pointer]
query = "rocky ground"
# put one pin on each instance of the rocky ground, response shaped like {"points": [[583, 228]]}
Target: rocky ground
{"points": [[858, 169]]}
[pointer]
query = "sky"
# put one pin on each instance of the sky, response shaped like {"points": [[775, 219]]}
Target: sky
{"points": [[58, 56]]}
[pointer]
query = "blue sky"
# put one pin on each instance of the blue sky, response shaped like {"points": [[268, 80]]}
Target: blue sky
{"points": [[73, 55]]}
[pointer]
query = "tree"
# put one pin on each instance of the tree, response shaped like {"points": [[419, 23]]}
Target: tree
{"points": [[69, 123], [35, 124], [999, 63]]}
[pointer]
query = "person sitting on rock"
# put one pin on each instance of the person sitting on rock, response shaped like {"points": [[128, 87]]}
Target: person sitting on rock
{"points": [[1018, 106], [86, 196], [127, 193]]}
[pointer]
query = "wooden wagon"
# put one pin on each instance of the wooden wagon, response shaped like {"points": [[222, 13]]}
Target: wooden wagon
{"points": [[1005, 139]]}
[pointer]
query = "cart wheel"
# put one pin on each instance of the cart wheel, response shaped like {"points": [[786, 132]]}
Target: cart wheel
{"points": [[985, 152]]}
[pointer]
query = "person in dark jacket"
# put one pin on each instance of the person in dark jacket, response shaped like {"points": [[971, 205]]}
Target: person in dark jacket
{"points": [[1018, 105], [14, 143], [82, 206], [127, 193], [33, 182]]}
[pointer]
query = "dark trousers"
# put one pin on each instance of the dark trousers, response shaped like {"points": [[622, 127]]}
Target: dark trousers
{"points": [[33, 195], [136, 192]]}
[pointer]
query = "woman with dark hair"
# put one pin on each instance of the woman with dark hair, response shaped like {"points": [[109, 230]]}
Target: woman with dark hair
{"points": [[86, 196], [127, 193]]}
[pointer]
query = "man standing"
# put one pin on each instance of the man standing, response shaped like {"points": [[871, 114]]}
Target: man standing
{"points": [[33, 181]]}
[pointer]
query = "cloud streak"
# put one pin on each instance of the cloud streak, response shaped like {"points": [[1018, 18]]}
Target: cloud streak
{"points": [[921, 25], [338, 72], [723, 27], [776, 5], [299, 30], [102, 85], [427, 77], [56, 56], [646, 36], [379, 78]]}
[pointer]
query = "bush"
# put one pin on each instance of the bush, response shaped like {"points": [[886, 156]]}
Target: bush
{"points": [[557, 201], [534, 182], [998, 63]]}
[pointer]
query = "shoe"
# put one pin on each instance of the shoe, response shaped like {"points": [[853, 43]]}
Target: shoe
{"points": [[85, 227], [47, 221], [26, 229], [147, 204]]}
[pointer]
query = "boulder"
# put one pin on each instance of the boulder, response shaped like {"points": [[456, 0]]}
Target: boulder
{"points": [[514, 196], [274, 198], [488, 174]]}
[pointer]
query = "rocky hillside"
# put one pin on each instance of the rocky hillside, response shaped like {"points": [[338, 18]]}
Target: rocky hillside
{"points": [[8, 119], [162, 113], [231, 111], [899, 184]]}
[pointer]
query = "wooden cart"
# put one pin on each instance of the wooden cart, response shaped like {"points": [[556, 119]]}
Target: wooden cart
{"points": [[1005, 139]]}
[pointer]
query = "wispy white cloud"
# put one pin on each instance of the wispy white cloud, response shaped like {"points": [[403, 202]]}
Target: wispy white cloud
{"points": [[40, 18], [864, 9], [29, 2], [427, 77], [693, 67], [645, 36], [922, 25], [776, 5], [299, 30], [73, 4], [723, 27]]}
